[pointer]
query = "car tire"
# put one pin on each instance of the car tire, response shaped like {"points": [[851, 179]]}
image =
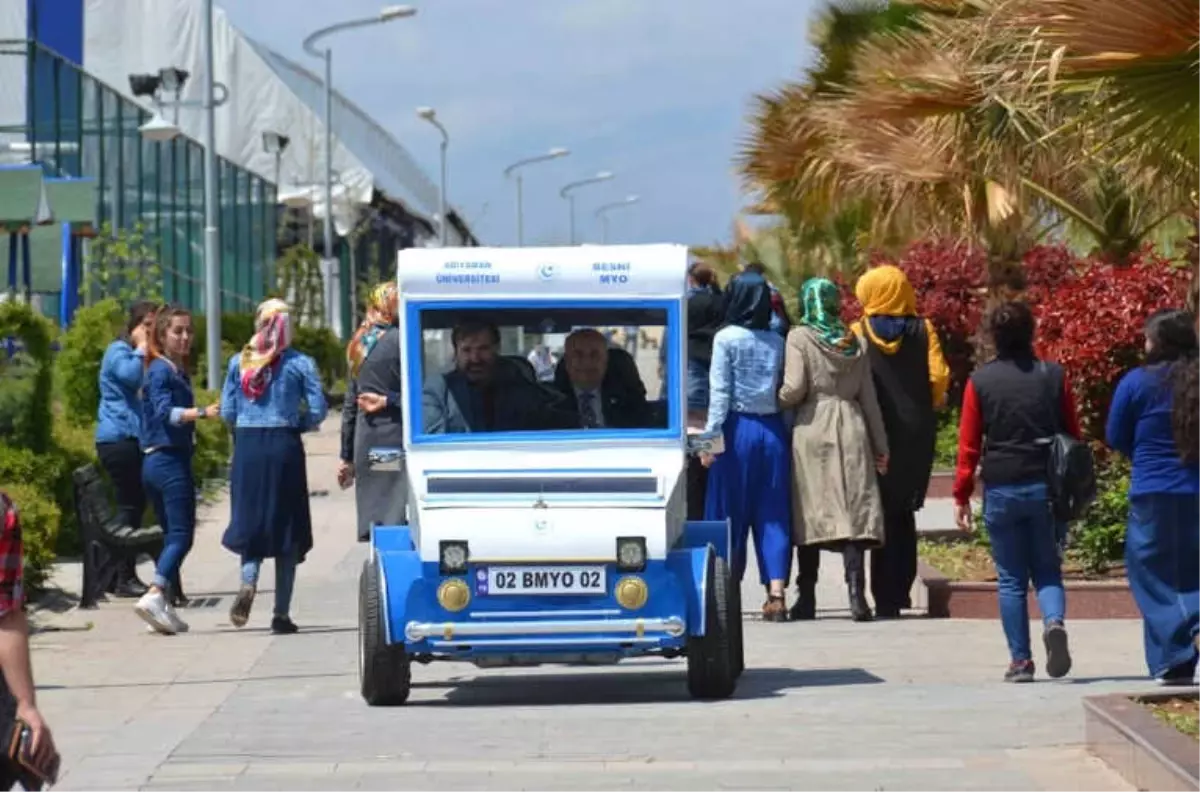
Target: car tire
{"points": [[736, 647], [710, 671], [384, 670]]}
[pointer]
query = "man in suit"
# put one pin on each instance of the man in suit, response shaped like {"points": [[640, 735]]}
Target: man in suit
{"points": [[486, 393], [602, 384]]}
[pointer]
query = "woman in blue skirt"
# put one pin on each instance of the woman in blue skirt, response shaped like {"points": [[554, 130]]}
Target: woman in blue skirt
{"points": [[272, 394], [1153, 421], [749, 482]]}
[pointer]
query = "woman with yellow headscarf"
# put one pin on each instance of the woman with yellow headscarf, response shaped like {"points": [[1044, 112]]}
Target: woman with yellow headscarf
{"points": [[911, 378], [372, 414]]}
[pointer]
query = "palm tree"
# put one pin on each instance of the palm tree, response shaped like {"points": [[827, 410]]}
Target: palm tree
{"points": [[1131, 68]]}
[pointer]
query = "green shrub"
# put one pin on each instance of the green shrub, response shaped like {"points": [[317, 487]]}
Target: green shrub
{"points": [[81, 351], [325, 349], [1098, 539], [74, 447], [945, 455], [18, 385], [210, 464], [31, 376], [40, 522]]}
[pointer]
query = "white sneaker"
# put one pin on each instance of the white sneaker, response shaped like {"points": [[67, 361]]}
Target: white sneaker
{"points": [[154, 610], [179, 624]]}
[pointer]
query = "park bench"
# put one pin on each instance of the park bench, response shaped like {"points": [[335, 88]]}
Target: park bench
{"points": [[106, 547]]}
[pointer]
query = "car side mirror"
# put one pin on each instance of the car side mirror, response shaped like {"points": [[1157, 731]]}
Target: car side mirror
{"points": [[701, 443], [385, 459]]}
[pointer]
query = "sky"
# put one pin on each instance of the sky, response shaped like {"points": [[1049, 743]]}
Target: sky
{"points": [[655, 91]]}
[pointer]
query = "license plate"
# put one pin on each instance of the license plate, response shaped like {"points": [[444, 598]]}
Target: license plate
{"points": [[540, 580]]}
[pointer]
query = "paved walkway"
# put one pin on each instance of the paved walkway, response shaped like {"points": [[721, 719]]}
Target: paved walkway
{"points": [[823, 705]]}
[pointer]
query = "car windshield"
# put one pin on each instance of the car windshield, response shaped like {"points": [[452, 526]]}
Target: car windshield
{"points": [[541, 370]]}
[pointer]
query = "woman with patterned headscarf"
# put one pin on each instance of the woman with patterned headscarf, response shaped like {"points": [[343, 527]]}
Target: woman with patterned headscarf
{"points": [[838, 445], [911, 378], [371, 415], [272, 394]]}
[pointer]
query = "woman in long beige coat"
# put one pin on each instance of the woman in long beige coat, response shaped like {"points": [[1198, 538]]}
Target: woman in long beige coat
{"points": [[838, 444]]}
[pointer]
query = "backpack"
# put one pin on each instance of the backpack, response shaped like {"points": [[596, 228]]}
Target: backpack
{"points": [[1072, 473]]}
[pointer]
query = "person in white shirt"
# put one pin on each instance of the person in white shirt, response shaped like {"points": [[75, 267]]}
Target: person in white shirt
{"points": [[605, 397]]}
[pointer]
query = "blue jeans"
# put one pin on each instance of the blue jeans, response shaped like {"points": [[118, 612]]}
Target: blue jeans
{"points": [[697, 384], [285, 580], [1162, 557], [1025, 547], [167, 475]]}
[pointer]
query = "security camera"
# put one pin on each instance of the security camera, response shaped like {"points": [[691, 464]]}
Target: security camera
{"points": [[144, 84]]}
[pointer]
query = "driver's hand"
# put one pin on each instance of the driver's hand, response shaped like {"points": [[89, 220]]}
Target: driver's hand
{"points": [[372, 403]]}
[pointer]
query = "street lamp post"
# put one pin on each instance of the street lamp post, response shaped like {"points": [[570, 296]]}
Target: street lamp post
{"points": [[568, 191], [602, 214], [274, 144], [160, 130], [332, 312], [430, 115], [553, 153]]}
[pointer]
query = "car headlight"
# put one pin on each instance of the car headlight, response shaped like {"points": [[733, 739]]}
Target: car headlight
{"points": [[631, 553], [452, 558]]}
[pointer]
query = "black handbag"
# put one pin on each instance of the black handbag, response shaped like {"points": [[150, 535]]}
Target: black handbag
{"points": [[1071, 472]]}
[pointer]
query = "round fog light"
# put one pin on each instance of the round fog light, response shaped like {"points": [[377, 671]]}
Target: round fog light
{"points": [[631, 593], [453, 595]]}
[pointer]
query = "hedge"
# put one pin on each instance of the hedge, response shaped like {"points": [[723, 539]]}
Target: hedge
{"points": [[1090, 318]]}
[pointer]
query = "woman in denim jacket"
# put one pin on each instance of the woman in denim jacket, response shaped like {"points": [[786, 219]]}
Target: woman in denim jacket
{"points": [[118, 426], [169, 414], [749, 481], [272, 394]]}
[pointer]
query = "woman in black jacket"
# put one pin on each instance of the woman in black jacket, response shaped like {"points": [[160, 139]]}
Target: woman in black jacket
{"points": [[371, 414], [705, 316]]}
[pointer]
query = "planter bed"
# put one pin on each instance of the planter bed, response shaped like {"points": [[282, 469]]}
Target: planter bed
{"points": [[970, 592], [1145, 750], [941, 485]]}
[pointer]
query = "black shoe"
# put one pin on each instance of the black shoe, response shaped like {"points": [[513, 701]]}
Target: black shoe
{"points": [[1182, 675], [1058, 655], [887, 612], [130, 588], [860, 611], [1019, 671], [282, 625], [805, 607]]}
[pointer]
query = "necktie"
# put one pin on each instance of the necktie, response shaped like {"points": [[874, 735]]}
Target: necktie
{"points": [[587, 410]]}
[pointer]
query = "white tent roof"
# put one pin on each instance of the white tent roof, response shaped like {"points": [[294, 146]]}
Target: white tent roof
{"points": [[267, 92]]}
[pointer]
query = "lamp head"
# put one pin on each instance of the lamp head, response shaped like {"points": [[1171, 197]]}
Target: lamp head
{"points": [[274, 143], [159, 129], [428, 113], [559, 152], [604, 175], [173, 79], [388, 13], [144, 84]]}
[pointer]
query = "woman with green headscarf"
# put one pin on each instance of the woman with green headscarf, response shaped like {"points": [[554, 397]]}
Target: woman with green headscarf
{"points": [[838, 445]]}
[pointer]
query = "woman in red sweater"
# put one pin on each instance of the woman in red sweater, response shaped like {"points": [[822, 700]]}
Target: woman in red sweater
{"points": [[1010, 407]]}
